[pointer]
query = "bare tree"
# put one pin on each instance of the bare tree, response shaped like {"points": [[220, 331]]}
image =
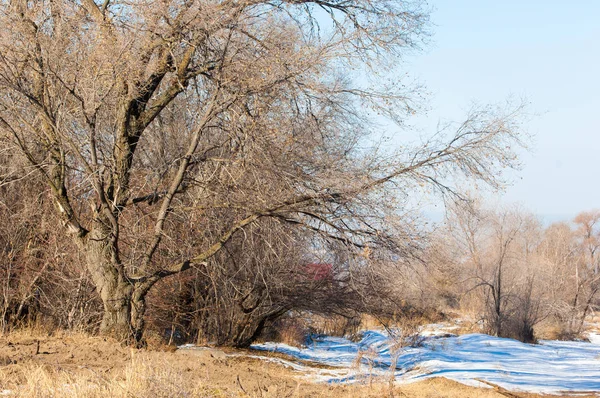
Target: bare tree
{"points": [[586, 276], [588, 232], [497, 252], [147, 119]]}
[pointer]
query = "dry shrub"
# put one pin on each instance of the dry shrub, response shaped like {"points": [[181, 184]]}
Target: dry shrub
{"points": [[407, 317], [550, 331], [334, 325], [406, 333], [293, 332], [555, 329], [42, 281], [519, 329], [289, 330], [369, 322], [156, 342], [421, 315], [296, 327]]}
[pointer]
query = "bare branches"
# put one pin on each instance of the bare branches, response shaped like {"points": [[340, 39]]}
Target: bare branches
{"points": [[96, 12], [178, 178], [168, 130]]}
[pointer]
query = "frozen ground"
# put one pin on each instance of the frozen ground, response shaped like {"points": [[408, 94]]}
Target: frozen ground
{"points": [[547, 367]]}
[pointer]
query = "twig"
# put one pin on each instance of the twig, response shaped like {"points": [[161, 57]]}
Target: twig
{"points": [[240, 384], [499, 389]]}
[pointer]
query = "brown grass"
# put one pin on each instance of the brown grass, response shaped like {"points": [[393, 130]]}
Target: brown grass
{"points": [[76, 365]]}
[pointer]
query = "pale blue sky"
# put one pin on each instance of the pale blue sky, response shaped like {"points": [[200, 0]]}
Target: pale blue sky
{"points": [[546, 51]]}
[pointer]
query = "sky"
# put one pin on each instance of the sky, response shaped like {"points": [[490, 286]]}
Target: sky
{"points": [[547, 52]]}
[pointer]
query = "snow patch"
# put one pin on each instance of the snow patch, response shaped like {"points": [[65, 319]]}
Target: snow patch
{"points": [[548, 367], [594, 337]]}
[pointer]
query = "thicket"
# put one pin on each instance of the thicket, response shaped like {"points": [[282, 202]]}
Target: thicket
{"points": [[499, 266], [516, 277], [205, 168]]}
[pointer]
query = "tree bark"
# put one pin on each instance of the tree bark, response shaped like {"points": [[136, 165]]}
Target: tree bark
{"points": [[138, 310], [116, 320], [108, 275], [247, 336]]}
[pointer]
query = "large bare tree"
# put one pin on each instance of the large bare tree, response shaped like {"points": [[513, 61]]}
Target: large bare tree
{"points": [[162, 129]]}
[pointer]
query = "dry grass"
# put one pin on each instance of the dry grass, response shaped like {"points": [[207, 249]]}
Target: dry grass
{"points": [[142, 377], [76, 365]]}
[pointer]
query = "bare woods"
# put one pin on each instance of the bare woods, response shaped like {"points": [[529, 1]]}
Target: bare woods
{"points": [[212, 166], [517, 277]]}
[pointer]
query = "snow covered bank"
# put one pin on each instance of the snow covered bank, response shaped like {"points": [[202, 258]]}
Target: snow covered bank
{"points": [[548, 367]]}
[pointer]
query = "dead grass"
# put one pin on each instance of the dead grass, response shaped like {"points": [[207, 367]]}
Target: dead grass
{"points": [[142, 377], [75, 365]]}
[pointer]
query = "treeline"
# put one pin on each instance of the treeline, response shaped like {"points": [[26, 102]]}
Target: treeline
{"points": [[500, 267], [515, 276], [208, 167]]}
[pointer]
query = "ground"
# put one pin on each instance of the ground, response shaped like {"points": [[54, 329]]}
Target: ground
{"points": [[77, 365]]}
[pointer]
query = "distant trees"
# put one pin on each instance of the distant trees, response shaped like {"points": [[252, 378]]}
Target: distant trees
{"points": [[581, 290], [162, 132], [498, 264], [514, 273]]}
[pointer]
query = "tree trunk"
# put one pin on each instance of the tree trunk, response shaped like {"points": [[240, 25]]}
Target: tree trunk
{"points": [[250, 331], [114, 288], [138, 309], [116, 319], [498, 304]]}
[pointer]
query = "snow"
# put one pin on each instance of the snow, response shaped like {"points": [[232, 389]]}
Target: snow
{"points": [[547, 367], [438, 330], [594, 337]]}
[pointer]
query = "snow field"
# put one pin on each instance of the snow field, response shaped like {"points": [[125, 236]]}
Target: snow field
{"points": [[547, 367]]}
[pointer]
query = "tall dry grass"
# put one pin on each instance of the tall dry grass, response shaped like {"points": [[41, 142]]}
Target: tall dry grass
{"points": [[142, 377]]}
